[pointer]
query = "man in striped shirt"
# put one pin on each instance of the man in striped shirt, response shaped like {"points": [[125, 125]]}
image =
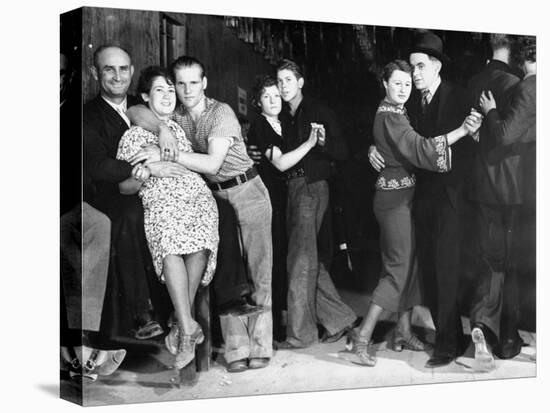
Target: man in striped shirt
{"points": [[220, 155]]}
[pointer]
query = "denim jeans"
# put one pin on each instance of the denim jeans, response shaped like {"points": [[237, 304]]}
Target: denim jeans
{"points": [[312, 297], [251, 337]]}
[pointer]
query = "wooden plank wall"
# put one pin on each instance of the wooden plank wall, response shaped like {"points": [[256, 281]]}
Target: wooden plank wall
{"points": [[229, 62], [135, 30]]}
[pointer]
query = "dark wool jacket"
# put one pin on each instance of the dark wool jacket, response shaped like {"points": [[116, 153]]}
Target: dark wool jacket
{"points": [[102, 129], [513, 131], [487, 182], [446, 112]]}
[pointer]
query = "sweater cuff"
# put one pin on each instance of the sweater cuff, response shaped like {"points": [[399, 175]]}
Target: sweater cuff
{"points": [[443, 151]]}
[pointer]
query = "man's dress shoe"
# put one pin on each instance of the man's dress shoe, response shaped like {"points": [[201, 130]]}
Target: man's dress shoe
{"points": [[285, 345], [439, 361], [258, 362], [509, 348], [237, 366]]}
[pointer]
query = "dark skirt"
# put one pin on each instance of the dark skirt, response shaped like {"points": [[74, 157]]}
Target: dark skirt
{"points": [[398, 289]]}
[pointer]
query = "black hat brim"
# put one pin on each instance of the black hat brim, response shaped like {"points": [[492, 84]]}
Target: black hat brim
{"points": [[432, 52]]}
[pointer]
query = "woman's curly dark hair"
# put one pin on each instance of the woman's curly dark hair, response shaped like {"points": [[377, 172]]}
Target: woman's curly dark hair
{"points": [[149, 74], [260, 85]]}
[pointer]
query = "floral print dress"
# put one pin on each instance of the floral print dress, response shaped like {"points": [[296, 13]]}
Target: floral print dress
{"points": [[180, 213]]}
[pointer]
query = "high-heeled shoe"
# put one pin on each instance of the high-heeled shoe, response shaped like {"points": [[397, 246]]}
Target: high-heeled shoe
{"points": [[72, 364], [112, 362], [78, 371], [412, 342], [171, 339], [186, 347], [149, 330], [359, 346], [69, 360]]}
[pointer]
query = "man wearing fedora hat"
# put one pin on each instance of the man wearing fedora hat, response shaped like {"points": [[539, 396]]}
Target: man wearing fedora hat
{"points": [[434, 108], [438, 107]]}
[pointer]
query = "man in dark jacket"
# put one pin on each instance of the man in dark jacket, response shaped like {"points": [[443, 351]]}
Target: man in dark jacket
{"points": [[503, 191], [132, 283], [84, 245], [437, 107]]}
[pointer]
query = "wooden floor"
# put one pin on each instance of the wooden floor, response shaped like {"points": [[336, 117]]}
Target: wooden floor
{"points": [[148, 378], [319, 368]]}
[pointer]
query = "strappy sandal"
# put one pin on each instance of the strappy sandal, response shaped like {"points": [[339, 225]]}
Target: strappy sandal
{"points": [[412, 342], [359, 346], [149, 330]]}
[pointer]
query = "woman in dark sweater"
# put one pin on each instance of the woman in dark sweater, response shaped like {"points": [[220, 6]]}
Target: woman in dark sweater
{"points": [[266, 134], [403, 150]]}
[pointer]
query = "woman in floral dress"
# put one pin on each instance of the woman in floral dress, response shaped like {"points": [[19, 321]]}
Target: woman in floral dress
{"points": [[181, 218], [403, 150]]}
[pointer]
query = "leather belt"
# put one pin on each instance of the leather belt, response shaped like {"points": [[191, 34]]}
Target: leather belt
{"points": [[240, 179]]}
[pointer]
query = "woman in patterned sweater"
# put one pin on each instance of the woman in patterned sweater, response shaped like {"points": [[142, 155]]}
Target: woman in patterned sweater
{"points": [[403, 150], [181, 218]]}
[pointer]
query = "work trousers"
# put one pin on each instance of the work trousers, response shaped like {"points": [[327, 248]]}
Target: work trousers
{"points": [[251, 336], [312, 297]]}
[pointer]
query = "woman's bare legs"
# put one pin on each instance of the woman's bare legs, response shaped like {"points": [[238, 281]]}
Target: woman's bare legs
{"points": [[404, 323], [183, 276], [369, 322], [195, 264], [178, 285]]}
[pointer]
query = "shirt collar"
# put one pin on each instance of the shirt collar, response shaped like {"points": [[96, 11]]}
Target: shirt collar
{"points": [[303, 103], [270, 119], [275, 124], [184, 112], [122, 105], [498, 64]]}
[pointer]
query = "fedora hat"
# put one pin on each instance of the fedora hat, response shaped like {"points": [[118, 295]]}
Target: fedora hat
{"points": [[431, 44]]}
